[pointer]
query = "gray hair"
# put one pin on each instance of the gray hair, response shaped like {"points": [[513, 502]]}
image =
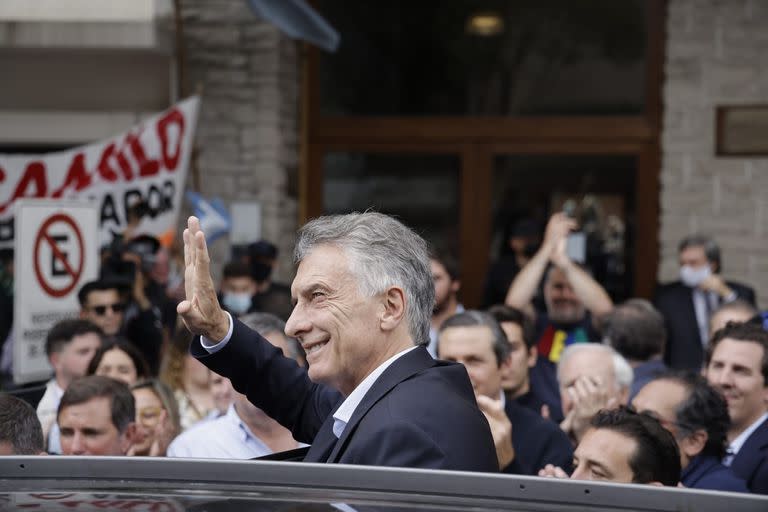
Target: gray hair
{"points": [[265, 323], [472, 318], [711, 249], [382, 252], [622, 371]]}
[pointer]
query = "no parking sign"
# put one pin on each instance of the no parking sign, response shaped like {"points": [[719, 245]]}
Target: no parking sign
{"points": [[56, 252]]}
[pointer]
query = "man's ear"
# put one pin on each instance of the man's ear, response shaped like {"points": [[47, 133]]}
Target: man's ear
{"points": [[533, 355], [394, 308], [455, 285], [54, 360], [692, 444], [129, 437]]}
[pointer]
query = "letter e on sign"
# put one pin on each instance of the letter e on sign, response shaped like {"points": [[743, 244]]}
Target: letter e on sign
{"points": [[59, 255]]}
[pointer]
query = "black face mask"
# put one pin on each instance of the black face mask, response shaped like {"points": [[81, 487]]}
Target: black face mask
{"points": [[261, 271]]}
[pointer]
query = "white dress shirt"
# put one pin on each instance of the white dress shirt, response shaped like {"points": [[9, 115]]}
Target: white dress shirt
{"points": [[48, 406], [47, 410], [347, 408], [226, 437]]}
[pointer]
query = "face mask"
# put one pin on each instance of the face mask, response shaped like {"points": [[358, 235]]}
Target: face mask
{"points": [[237, 303], [694, 276]]}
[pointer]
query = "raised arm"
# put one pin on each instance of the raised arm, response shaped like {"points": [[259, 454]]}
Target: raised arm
{"points": [[525, 284], [590, 292]]}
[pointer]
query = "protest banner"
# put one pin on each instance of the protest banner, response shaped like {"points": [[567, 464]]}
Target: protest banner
{"points": [[148, 164]]}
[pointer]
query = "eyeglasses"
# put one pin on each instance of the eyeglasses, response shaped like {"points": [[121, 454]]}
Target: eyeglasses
{"points": [[101, 310], [149, 416]]}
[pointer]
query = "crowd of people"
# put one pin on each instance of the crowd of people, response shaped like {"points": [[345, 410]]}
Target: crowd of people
{"points": [[556, 381]]}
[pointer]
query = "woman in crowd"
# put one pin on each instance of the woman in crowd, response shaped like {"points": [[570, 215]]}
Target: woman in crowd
{"points": [[120, 360], [189, 380], [157, 416]]}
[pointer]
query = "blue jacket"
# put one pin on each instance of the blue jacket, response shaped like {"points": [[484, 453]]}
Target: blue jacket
{"points": [[751, 463], [706, 472]]}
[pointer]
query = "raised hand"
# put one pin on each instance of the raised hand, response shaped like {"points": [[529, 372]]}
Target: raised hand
{"points": [[551, 471], [200, 310], [164, 434], [589, 396], [715, 283], [501, 429], [555, 236]]}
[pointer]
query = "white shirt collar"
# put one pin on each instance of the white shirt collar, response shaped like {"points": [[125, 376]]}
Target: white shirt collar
{"points": [[737, 443], [344, 413]]}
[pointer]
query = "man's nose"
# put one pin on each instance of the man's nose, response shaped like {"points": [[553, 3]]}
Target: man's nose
{"points": [[297, 323], [78, 444], [579, 473], [724, 377]]}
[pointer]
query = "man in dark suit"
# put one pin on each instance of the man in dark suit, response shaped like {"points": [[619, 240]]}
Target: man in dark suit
{"points": [[525, 442], [697, 416], [737, 365], [687, 304], [373, 395]]}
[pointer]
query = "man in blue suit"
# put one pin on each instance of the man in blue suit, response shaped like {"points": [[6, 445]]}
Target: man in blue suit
{"points": [[373, 395], [697, 416], [525, 442], [737, 365]]}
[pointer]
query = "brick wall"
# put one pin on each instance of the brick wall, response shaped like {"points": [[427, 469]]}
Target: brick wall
{"points": [[248, 129], [717, 54]]}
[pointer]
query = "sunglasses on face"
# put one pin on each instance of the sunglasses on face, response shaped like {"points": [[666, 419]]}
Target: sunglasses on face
{"points": [[101, 310]]}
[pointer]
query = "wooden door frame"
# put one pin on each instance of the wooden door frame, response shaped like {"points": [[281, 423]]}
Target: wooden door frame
{"points": [[478, 139]]}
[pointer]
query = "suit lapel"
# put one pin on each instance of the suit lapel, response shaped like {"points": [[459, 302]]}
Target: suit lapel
{"points": [[750, 453], [406, 366], [323, 442]]}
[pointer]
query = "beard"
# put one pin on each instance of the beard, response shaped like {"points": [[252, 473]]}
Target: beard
{"points": [[569, 313]]}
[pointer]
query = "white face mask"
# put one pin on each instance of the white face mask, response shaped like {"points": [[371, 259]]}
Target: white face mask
{"points": [[694, 276], [237, 303]]}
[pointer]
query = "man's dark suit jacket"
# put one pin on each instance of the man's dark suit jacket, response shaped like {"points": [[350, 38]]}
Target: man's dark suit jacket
{"points": [[537, 442], [420, 413], [675, 302], [706, 472], [751, 463]]}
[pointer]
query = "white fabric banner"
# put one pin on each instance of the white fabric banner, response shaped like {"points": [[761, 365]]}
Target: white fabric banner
{"points": [[148, 163]]}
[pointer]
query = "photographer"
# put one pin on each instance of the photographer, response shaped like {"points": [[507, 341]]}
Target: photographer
{"points": [[575, 302], [123, 302]]}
